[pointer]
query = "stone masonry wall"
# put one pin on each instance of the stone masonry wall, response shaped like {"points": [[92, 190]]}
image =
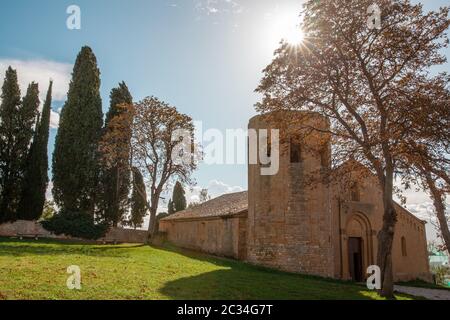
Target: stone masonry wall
{"points": [[364, 218], [34, 228], [221, 236], [289, 222]]}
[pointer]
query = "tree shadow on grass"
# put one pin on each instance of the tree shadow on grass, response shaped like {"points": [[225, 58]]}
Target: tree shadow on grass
{"points": [[242, 265], [237, 285], [242, 281]]}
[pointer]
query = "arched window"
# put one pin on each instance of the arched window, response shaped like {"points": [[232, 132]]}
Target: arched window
{"points": [[404, 252], [355, 192]]}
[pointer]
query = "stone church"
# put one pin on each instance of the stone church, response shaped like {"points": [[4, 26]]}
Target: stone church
{"points": [[324, 227]]}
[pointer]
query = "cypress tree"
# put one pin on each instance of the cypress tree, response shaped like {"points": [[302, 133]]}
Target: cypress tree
{"points": [[8, 111], [16, 130], [27, 116], [138, 200], [75, 159], [116, 180], [170, 209], [178, 198], [36, 174], [118, 96]]}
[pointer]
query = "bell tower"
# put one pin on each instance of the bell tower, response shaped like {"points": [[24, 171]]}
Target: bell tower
{"points": [[289, 213]]}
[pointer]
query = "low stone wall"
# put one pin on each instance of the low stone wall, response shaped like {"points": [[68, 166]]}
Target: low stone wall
{"points": [[220, 236], [25, 227], [126, 235], [35, 228]]}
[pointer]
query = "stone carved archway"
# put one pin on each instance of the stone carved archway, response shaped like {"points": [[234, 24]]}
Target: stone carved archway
{"points": [[357, 226]]}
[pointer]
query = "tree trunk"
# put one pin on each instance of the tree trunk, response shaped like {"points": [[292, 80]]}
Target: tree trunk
{"points": [[152, 224], [116, 209], [153, 210], [386, 238], [439, 206]]}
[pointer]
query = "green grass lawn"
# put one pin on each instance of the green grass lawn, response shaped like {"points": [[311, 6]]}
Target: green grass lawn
{"points": [[37, 270]]}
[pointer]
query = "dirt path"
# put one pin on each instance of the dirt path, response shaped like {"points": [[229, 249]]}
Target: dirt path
{"points": [[431, 294]]}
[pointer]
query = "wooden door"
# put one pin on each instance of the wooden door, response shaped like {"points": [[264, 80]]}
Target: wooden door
{"points": [[355, 258]]}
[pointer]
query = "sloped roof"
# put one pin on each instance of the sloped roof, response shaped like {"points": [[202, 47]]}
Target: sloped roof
{"points": [[225, 205], [232, 204]]}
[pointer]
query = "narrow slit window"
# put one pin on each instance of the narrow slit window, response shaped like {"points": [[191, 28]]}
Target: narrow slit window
{"points": [[324, 161], [296, 154], [355, 192], [404, 251]]}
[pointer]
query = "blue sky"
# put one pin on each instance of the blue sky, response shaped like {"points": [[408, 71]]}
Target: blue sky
{"points": [[203, 56], [204, 62]]}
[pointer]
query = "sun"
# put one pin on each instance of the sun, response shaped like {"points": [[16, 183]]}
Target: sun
{"points": [[287, 27], [283, 23], [294, 35]]}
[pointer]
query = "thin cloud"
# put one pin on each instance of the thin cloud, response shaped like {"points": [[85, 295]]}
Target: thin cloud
{"points": [[215, 188], [214, 7], [420, 204], [54, 120], [41, 71]]}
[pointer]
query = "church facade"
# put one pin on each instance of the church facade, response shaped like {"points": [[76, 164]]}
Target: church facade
{"points": [[299, 221]]}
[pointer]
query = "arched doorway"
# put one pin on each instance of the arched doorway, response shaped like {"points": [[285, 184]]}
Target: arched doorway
{"points": [[355, 258], [358, 247]]}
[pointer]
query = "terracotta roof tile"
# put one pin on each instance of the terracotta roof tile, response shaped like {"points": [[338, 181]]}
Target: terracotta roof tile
{"points": [[225, 205]]}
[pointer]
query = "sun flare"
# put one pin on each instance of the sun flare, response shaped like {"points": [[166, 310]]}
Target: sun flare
{"points": [[294, 36], [287, 27]]}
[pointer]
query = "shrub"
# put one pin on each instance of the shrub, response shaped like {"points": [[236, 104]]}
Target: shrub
{"points": [[441, 274], [76, 224], [49, 211]]}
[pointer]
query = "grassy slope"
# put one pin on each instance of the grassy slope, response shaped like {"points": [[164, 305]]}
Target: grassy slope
{"points": [[37, 270]]}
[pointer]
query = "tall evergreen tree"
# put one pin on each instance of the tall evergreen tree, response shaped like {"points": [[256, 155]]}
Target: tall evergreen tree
{"points": [[170, 208], [27, 116], [116, 179], [17, 122], [118, 96], [138, 200], [178, 198], [36, 174], [8, 112], [75, 159]]}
